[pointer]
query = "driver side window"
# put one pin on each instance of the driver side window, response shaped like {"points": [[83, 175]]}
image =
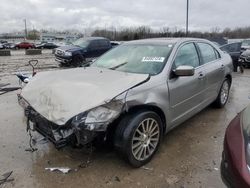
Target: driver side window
{"points": [[187, 55]]}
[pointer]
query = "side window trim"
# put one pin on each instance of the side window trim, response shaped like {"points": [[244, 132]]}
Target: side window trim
{"points": [[199, 54]]}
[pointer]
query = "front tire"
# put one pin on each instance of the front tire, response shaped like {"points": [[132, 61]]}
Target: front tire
{"points": [[78, 61], [222, 98], [138, 136]]}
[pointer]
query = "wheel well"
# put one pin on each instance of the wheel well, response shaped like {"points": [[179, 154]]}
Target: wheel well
{"points": [[155, 109], [229, 77], [112, 127]]}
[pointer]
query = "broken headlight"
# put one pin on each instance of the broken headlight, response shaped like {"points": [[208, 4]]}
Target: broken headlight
{"points": [[98, 118]]}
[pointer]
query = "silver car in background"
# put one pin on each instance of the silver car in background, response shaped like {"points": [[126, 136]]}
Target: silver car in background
{"points": [[132, 95]]}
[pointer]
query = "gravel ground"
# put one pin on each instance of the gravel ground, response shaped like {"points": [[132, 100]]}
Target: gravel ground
{"points": [[188, 157]]}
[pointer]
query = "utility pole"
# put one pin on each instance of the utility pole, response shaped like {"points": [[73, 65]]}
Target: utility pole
{"points": [[187, 18], [25, 28]]}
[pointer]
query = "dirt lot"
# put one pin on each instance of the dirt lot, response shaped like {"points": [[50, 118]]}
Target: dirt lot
{"points": [[189, 155]]}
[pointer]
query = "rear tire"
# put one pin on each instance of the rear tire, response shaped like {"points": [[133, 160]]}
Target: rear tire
{"points": [[223, 95], [138, 136]]}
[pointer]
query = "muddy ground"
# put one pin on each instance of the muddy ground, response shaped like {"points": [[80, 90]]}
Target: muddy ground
{"points": [[188, 157]]}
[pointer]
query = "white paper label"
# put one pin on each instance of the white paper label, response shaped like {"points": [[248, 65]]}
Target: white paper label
{"points": [[153, 59]]}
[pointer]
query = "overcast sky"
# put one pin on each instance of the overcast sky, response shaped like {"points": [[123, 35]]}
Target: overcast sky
{"points": [[82, 14]]}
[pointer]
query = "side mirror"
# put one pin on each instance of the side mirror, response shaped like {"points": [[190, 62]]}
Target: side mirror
{"points": [[184, 70]]}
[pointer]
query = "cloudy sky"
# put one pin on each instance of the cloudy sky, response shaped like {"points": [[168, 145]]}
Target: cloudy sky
{"points": [[82, 14]]}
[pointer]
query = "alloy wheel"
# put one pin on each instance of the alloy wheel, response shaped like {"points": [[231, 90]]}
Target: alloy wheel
{"points": [[145, 139], [224, 92]]}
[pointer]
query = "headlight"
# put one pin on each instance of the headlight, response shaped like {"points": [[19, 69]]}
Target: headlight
{"points": [[98, 118], [68, 53]]}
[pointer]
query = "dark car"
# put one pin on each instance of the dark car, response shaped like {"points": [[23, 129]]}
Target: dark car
{"points": [[25, 45], [81, 50], [48, 45], [235, 164], [245, 58], [234, 50]]}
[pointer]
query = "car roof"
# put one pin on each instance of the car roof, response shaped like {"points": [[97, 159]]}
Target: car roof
{"points": [[164, 40], [94, 38]]}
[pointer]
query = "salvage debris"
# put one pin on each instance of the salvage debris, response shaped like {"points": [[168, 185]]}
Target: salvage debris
{"points": [[88, 161], [6, 178], [147, 168], [64, 170]]}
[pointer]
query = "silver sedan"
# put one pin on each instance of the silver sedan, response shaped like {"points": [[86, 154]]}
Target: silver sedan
{"points": [[131, 96]]}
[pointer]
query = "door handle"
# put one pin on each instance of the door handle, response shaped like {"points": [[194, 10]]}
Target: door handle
{"points": [[222, 67], [201, 75]]}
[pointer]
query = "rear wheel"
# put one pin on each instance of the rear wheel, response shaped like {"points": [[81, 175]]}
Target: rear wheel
{"points": [[222, 98], [138, 137]]}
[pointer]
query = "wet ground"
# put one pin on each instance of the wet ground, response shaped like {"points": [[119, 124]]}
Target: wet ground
{"points": [[188, 157]]}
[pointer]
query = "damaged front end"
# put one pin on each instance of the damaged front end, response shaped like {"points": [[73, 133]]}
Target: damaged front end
{"points": [[80, 129]]}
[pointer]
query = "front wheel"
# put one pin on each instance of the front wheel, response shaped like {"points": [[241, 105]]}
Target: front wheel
{"points": [[78, 61], [222, 98], [138, 137]]}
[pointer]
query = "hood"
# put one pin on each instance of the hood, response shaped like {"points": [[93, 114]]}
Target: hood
{"points": [[60, 95], [70, 48]]}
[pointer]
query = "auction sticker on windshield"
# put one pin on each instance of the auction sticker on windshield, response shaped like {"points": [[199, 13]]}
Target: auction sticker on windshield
{"points": [[153, 59]]}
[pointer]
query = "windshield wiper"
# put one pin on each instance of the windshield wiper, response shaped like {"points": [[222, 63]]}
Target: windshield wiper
{"points": [[117, 66]]}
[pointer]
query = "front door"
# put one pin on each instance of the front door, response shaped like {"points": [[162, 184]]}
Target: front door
{"points": [[186, 93]]}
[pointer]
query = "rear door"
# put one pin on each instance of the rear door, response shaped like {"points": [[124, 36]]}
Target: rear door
{"points": [[214, 67], [186, 93], [93, 49]]}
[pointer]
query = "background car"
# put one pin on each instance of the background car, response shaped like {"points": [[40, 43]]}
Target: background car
{"points": [[1, 46], [235, 164], [245, 44], [234, 50], [47, 45], [132, 95], [245, 58], [80, 50], [24, 45], [9, 45]]}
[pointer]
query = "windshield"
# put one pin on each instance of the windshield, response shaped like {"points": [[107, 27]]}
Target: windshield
{"points": [[136, 58], [81, 42]]}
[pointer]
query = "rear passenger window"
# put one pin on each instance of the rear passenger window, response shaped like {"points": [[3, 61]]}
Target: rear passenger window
{"points": [[187, 55], [207, 52], [94, 45], [103, 44]]}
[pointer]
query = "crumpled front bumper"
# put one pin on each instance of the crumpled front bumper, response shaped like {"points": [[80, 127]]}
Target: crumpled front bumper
{"points": [[59, 135]]}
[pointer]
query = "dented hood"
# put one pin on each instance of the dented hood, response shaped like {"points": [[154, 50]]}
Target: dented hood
{"points": [[60, 95]]}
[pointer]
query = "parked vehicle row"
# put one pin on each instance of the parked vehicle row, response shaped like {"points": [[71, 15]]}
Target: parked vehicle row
{"points": [[28, 45], [131, 96]]}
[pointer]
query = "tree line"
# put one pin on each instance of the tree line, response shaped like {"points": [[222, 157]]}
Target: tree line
{"points": [[142, 32]]}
